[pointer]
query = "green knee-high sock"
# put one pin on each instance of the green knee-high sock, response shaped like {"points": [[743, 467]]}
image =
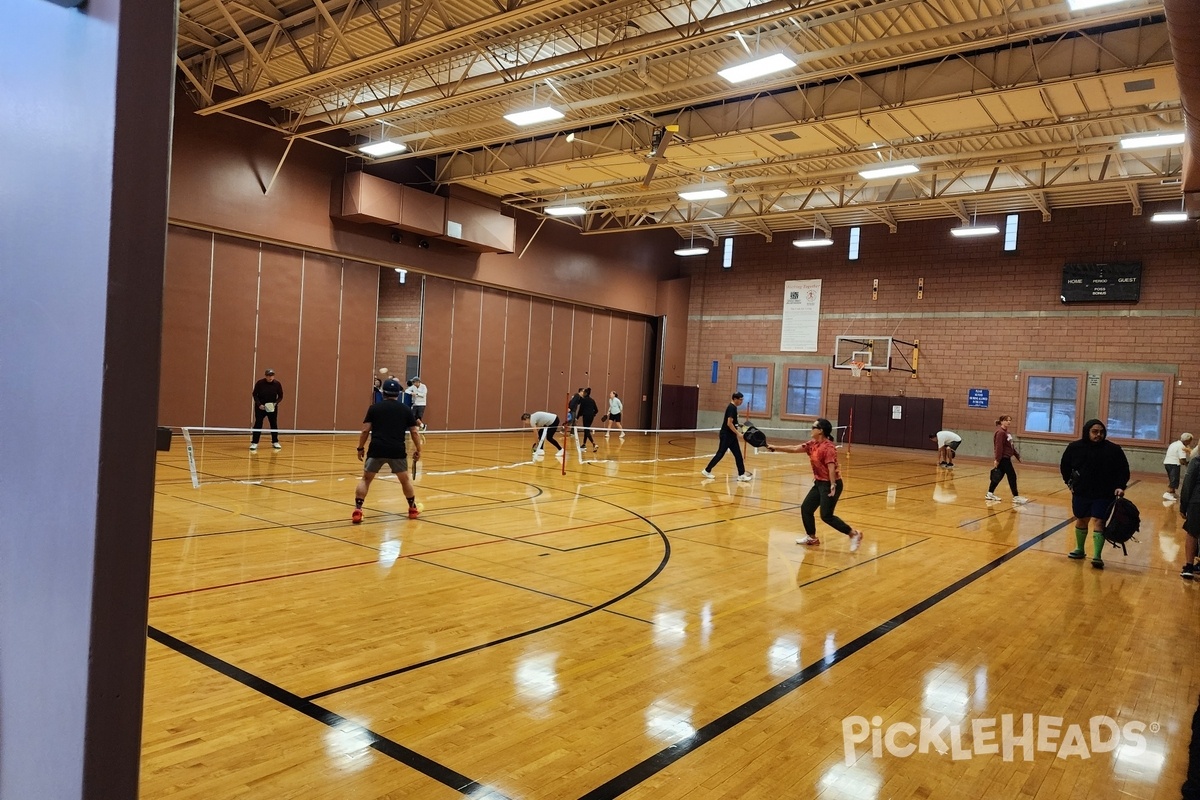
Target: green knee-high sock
{"points": [[1098, 544], [1080, 537]]}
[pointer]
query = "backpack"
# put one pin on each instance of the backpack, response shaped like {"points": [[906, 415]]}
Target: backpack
{"points": [[1123, 522]]}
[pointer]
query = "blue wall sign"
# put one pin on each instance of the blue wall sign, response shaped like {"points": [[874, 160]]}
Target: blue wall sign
{"points": [[977, 398]]}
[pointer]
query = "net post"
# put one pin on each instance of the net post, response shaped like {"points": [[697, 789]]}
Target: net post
{"points": [[191, 456]]}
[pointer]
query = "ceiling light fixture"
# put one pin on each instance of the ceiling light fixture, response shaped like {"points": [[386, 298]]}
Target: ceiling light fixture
{"points": [[565, 211], [1152, 140], [824, 241], [757, 68], [1082, 5], [381, 149], [534, 115], [702, 194], [1170, 216], [974, 230], [692, 249], [889, 171], [964, 231]]}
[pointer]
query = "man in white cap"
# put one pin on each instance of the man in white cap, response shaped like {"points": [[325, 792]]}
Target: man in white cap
{"points": [[418, 392], [1177, 456]]}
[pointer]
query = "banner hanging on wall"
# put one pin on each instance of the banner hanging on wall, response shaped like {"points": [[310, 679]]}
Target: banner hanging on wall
{"points": [[801, 315]]}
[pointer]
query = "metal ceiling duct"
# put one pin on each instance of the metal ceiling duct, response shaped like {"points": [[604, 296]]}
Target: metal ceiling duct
{"points": [[1183, 28]]}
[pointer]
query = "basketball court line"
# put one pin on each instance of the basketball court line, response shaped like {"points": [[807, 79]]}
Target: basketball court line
{"points": [[632, 776]]}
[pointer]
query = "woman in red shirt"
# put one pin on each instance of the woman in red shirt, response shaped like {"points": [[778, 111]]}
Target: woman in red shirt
{"points": [[827, 484], [1003, 452]]}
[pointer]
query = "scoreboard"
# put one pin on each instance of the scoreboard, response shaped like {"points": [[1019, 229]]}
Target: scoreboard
{"points": [[1118, 282]]}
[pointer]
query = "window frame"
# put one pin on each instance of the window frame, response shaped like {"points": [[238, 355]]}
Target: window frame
{"points": [[1168, 381], [744, 411], [784, 413], [1080, 399]]}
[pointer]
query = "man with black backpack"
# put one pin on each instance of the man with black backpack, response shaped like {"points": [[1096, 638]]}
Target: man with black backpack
{"points": [[1096, 471]]}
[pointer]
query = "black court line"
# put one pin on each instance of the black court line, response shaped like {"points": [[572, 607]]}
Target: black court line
{"points": [[638, 773], [426, 766]]}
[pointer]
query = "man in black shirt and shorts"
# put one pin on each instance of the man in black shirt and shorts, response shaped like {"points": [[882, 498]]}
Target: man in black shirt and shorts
{"points": [[385, 424]]}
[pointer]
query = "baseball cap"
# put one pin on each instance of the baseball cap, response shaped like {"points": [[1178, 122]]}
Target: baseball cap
{"points": [[415, 378], [269, 372], [391, 387]]}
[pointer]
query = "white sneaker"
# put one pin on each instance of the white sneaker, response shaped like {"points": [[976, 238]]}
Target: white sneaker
{"points": [[622, 436], [560, 454], [538, 453], [253, 448], [810, 540], [277, 445], [706, 473], [992, 498], [1020, 501], [1168, 496], [745, 477], [855, 540]]}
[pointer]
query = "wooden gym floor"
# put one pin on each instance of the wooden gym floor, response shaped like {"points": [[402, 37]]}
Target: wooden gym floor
{"points": [[631, 630]]}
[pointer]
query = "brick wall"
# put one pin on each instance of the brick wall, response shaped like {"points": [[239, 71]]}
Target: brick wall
{"points": [[984, 315]]}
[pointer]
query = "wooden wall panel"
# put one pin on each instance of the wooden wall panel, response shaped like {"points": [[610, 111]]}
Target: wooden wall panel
{"points": [[489, 370], [231, 373], [186, 283], [562, 381], [518, 347], [281, 274], [618, 362], [540, 343], [601, 358], [461, 388], [437, 332], [356, 348], [316, 374], [637, 405], [581, 347]]}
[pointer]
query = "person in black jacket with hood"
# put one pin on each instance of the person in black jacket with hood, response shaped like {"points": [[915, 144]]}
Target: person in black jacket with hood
{"points": [[1096, 471]]}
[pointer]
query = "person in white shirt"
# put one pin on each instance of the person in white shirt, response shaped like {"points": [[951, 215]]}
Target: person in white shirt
{"points": [[418, 392], [615, 406], [947, 445], [1177, 456], [545, 424]]}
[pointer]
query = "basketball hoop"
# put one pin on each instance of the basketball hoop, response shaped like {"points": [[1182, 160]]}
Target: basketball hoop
{"points": [[856, 368]]}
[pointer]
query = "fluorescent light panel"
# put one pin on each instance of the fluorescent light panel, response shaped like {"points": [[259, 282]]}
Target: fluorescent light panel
{"points": [[1169, 216], [1082, 5], [566, 211], [1152, 140], [534, 115], [691, 251], [757, 68], [975, 230], [702, 194], [824, 241], [889, 171], [384, 148]]}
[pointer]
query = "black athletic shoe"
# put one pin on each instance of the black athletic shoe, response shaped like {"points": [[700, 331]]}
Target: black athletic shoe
{"points": [[1188, 571]]}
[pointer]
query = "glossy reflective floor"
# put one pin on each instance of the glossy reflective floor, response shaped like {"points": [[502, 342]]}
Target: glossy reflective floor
{"points": [[629, 629]]}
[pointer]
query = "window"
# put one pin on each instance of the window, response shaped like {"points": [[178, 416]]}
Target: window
{"points": [[1136, 407], [854, 234], [1051, 403], [804, 394], [755, 383], [727, 254], [1010, 232]]}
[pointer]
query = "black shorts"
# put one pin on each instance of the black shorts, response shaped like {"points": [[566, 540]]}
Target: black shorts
{"points": [[614, 417]]}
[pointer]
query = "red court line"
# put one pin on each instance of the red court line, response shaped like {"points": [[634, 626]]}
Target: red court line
{"points": [[261, 580]]}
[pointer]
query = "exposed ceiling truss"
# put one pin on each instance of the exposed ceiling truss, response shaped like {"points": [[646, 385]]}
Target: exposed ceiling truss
{"points": [[1004, 105]]}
